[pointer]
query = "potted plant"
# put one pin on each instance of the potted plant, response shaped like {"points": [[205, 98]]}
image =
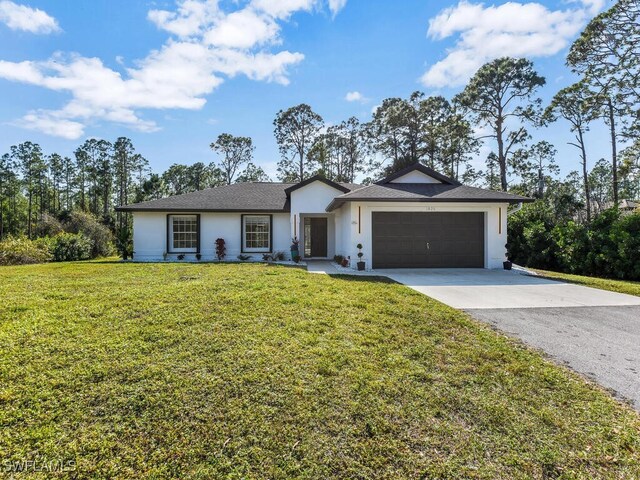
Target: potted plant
{"points": [[181, 256], [360, 263], [198, 256], [345, 262], [295, 252], [221, 249], [507, 264]]}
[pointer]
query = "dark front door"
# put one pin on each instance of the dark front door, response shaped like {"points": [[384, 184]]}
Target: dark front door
{"points": [[316, 237], [428, 240]]}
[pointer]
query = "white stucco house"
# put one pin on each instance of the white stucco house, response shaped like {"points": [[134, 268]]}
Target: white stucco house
{"points": [[414, 218]]}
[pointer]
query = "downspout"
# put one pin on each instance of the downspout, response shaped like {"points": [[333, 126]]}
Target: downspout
{"points": [[515, 210]]}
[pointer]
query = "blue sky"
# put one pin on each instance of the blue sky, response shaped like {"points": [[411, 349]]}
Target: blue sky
{"points": [[172, 75]]}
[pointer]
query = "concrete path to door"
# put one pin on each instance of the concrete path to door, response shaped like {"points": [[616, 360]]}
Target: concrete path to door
{"points": [[595, 332]]}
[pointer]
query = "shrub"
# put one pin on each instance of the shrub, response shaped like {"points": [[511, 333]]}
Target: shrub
{"points": [[124, 243], [98, 234], [221, 249], [22, 251], [48, 226], [607, 247], [70, 247]]}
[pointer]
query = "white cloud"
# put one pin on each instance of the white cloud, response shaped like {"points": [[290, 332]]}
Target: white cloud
{"points": [[594, 6], [206, 45], [22, 17], [283, 9], [355, 97], [510, 29], [50, 124], [336, 5], [189, 19], [243, 29]]}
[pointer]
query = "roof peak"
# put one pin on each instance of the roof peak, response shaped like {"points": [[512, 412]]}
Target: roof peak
{"points": [[419, 167]]}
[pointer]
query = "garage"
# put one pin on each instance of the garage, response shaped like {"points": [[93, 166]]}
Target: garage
{"points": [[428, 239]]}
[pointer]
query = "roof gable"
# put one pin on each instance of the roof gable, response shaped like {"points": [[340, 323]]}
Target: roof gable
{"points": [[316, 178], [418, 173]]}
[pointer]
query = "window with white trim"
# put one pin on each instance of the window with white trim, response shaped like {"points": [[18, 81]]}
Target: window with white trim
{"points": [[183, 233], [256, 233]]}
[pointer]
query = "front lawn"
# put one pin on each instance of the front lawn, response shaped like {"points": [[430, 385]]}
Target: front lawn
{"points": [[620, 286], [253, 371]]}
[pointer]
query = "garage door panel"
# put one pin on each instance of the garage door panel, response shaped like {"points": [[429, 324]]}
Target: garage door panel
{"points": [[455, 239]]}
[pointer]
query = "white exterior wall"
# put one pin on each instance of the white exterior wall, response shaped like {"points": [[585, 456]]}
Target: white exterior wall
{"points": [[312, 201], [150, 235], [343, 230], [150, 228], [495, 232]]}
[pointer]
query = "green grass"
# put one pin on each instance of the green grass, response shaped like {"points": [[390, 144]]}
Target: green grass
{"points": [[620, 286], [254, 371]]}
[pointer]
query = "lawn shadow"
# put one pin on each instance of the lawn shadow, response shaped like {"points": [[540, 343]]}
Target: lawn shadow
{"points": [[363, 278]]}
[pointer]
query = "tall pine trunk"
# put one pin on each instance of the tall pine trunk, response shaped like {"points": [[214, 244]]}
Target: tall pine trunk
{"points": [[614, 153], [585, 173], [502, 161]]}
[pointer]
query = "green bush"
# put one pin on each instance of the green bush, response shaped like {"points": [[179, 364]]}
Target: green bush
{"points": [[48, 226], [70, 246], [22, 251], [608, 247], [530, 242], [98, 234]]}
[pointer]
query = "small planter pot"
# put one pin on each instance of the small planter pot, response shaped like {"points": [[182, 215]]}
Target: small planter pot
{"points": [[360, 266], [345, 263], [507, 265]]}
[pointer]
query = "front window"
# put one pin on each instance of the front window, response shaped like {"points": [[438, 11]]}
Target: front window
{"points": [[183, 233], [256, 233]]}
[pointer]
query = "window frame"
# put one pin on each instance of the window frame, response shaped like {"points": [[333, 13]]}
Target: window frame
{"points": [[243, 238], [170, 248]]}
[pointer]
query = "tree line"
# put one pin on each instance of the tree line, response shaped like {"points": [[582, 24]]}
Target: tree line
{"points": [[102, 175], [501, 101]]}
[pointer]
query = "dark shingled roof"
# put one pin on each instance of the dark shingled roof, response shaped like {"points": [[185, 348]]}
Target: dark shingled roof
{"points": [[239, 197], [424, 192], [274, 197]]}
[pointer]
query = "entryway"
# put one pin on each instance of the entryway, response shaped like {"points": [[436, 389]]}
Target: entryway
{"points": [[315, 237]]}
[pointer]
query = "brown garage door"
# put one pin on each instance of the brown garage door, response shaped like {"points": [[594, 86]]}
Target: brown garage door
{"points": [[428, 240]]}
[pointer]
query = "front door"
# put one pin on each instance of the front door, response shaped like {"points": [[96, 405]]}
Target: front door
{"points": [[315, 241]]}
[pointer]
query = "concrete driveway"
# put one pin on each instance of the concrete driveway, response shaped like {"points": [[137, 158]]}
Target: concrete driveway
{"points": [[595, 332], [479, 288]]}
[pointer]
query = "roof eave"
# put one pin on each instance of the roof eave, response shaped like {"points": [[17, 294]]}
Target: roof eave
{"points": [[338, 202], [208, 210]]}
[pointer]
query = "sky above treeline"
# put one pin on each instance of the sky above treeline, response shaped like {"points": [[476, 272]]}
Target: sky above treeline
{"points": [[172, 75]]}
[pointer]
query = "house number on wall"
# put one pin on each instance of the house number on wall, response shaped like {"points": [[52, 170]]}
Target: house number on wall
{"points": [[430, 209]]}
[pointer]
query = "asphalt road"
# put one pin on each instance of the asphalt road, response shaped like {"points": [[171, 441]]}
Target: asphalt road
{"points": [[602, 343]]}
